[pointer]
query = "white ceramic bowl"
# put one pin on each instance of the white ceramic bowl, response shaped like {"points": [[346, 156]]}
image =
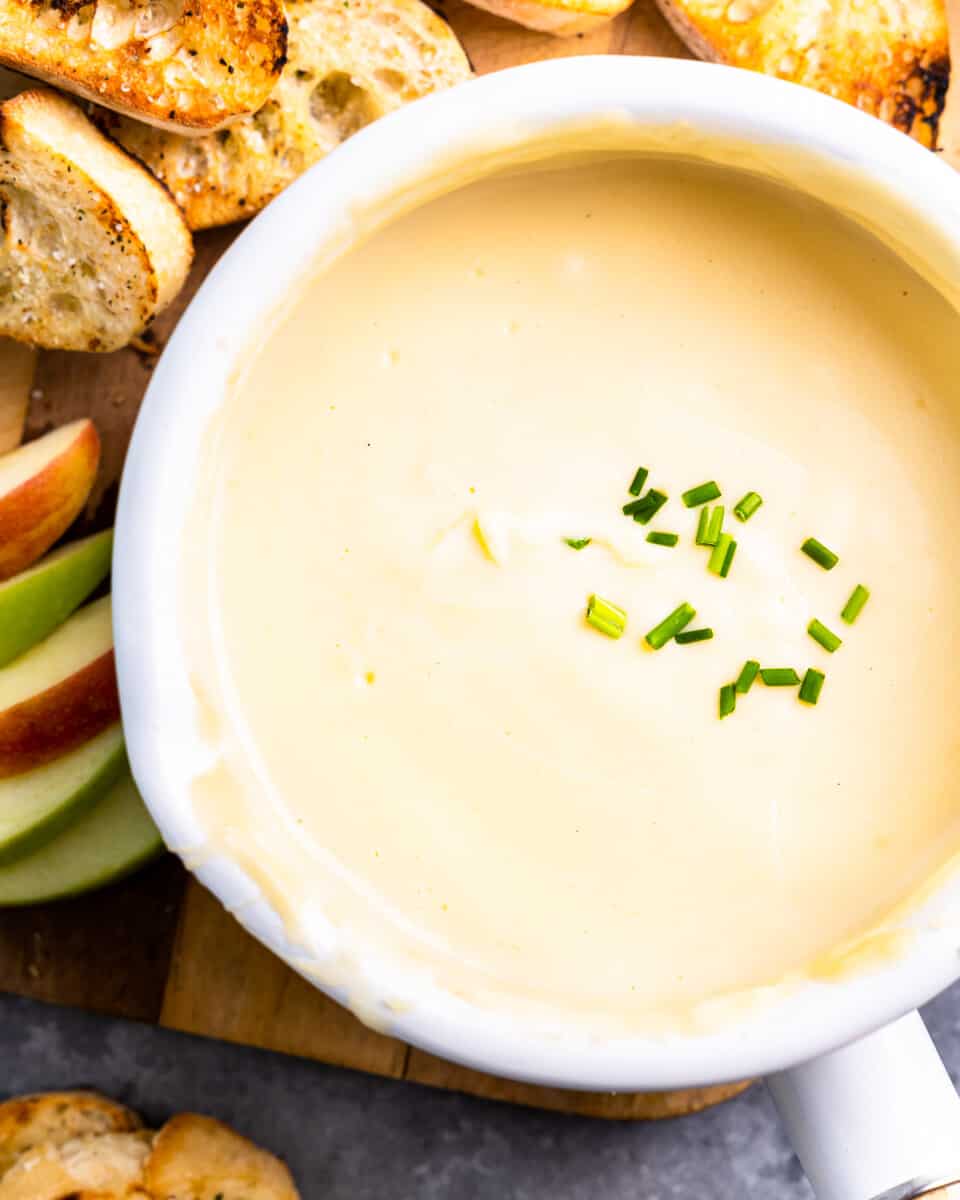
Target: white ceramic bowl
{"points": [[876, 174]]}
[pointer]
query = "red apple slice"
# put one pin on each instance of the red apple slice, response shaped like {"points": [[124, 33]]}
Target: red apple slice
{"points": [[60, 694], [43, 486]]}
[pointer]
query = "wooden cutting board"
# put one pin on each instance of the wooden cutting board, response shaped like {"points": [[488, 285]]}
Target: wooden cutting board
{"points": [[159, 948]]}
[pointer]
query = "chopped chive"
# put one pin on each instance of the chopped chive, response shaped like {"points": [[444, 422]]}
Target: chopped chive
{"points": [[812, 686], [646, 508], [638, 481], [721, 556], [779, 676], [689, 636], [578, 543], [744, 509], [728, 700], [826, 637], [663, 539], [668, 628], [854, 606], [748, 674], [491, 540], [714, 525], [701, 494], [606, 617], [703, 523], [820, 554]]}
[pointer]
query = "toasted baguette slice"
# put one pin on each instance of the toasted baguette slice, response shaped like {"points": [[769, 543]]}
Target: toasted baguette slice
{"points": [[55, 1118], [197, 1158], [948, 141], [562, 18], [108, 1165], [184, 66], [93, 247], [348, 65], [888, 57], [17, 364]]}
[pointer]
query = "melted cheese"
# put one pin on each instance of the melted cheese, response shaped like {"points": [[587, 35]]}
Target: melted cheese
{"points": [[419, 734]]}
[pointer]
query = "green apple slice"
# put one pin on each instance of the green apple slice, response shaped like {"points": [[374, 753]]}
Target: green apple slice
{"points": [[35, 806], [35, 602], [111, 840]]}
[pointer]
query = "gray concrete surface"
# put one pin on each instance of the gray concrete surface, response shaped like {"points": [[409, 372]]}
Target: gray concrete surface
{"points": [[353, 1137]]}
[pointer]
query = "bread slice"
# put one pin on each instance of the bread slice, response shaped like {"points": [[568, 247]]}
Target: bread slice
{"points": [[17, 365], [57, 1117], [182, 64], [197, 1158], [949, 134], [93, 247], [107, 1165], [888, 57], [348, 64], [562, 18]]}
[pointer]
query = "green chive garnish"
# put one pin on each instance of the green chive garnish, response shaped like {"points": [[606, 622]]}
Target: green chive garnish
{"points": [[638, 481], [663, 539], [812, 686], [606, 617], [748, 674], [646, 508], [728, 700], [826, 637], [679, 619], [703, 522], [714, 526], [689, 636], [854, 606], [701, 494], [779, 676], [820, 554], [721, 556], [578, 543], [745, 508]]}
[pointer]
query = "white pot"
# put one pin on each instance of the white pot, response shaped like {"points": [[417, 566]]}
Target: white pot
{"points": [[866, 1119]]}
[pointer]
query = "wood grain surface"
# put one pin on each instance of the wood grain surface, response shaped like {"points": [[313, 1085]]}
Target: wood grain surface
{"points": [[158, 948]]}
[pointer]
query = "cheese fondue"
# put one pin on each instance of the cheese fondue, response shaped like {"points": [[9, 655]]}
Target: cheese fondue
{"points": [[418, 733]]}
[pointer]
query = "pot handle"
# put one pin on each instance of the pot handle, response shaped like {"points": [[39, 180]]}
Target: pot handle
{"points": [[876, 1120]]}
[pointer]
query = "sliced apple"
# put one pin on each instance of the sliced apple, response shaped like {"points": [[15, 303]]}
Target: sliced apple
{"points": [[60, 694], [35, 602], [36, 806], [43, 486], [17, 363], [112, 839]]}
